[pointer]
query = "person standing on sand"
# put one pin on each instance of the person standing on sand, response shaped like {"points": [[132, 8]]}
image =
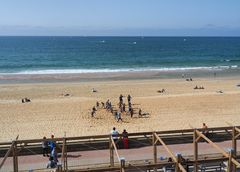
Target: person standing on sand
{"points": [[124, 107], [131, 112], [97, 104], [119, 116], [120, 100], [129, 98], [93, 111]]}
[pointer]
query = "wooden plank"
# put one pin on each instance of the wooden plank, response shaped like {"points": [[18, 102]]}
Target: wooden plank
{"points": [[195, 147], [63, 155], [154, 148], [198, 138], [154, 144], [170, 153], [229, 168], [234, 147], [130, 134], [15, 162], [6, 155], [66, 157], [111, 152], [218, 148], [115, 148]]}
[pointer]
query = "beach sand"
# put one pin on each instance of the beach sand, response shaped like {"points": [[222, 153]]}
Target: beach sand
{"points": [[178, 108]]}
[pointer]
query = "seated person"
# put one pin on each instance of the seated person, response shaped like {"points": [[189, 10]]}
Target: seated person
{"points": [[142, 114], [196, 87]]}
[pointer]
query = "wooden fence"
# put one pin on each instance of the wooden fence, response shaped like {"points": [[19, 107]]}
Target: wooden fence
{"points": [[18, 148]]}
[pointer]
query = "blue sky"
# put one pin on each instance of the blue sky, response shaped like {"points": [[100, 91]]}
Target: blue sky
{"points": [[120, 17]]}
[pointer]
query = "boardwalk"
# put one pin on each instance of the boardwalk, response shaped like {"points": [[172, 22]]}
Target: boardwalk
{"points": [[94, 156]]}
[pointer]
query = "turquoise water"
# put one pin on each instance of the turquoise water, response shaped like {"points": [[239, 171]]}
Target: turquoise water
{"points": [[40, 55]]}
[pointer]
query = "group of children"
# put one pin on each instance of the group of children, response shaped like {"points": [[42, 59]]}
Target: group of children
{"points": [[109, 107]]}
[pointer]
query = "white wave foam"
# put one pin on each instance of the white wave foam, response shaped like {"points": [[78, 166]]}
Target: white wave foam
{"points": [[79, 71]]}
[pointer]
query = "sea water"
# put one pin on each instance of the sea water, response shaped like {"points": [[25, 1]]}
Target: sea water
{"points": [[51, 55]]}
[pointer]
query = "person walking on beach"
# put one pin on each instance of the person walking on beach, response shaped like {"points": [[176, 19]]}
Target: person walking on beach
{"points": [[124, 107], [129, 106], [115, 115], [120, 100], [131, 112], [119, 116], [93, 111], [129, 98], [97, 104], [125, 139]]}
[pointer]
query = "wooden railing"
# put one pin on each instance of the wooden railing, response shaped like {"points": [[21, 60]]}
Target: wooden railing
{"points": [[141, 139]]}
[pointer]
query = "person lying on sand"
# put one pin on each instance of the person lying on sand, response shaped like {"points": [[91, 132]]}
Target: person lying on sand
{"points": [[140, 114], [220, 91], [161, 91], [93, 90], [26, 100]]}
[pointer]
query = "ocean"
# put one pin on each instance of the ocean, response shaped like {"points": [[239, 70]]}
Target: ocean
{"points": [[54, 55]]}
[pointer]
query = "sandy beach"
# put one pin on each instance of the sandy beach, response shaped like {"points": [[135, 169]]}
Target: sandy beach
{"points": [[179, 107]]}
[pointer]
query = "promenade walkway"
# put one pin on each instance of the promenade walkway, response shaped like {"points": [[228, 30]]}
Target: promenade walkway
{"points": [[98, 157]]}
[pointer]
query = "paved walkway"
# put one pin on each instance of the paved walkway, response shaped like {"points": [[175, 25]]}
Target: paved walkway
{"points": [[85, 158]]}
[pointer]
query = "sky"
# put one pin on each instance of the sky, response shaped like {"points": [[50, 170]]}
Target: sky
{"points": [[120, 17]]}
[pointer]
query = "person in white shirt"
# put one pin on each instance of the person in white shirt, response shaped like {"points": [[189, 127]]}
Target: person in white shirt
{"points": [[114, 134]]}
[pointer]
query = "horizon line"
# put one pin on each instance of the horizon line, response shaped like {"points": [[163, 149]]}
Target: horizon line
{"points": [[118, 36]]}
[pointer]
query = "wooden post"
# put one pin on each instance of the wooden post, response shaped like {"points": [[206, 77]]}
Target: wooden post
{"points": [[230, 161], [15, 158], [234, 147], [65, 156], [154, 150], [6, 155], [195, 146], [122, 164], [111, 152], [179, 157]]}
